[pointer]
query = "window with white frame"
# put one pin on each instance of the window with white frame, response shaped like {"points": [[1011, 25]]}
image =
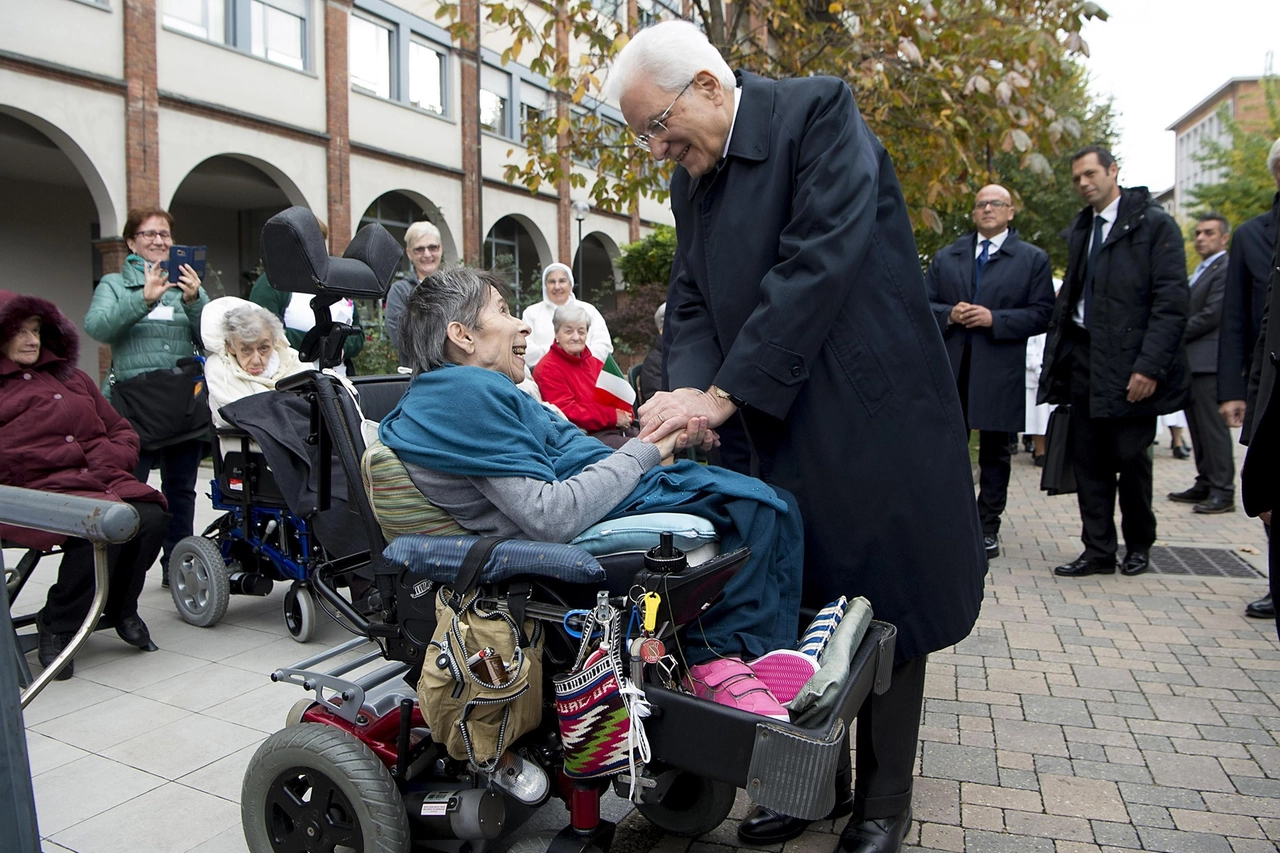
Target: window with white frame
{"points": [[275, 30], [370, 51], [426, 77], [533, 106], [495, 101]]}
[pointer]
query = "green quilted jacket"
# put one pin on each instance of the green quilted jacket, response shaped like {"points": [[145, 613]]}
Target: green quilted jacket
{"points": [[118, 316]]}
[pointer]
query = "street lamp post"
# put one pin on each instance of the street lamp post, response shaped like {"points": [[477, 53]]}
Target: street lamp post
{"points": [[580, 211]]}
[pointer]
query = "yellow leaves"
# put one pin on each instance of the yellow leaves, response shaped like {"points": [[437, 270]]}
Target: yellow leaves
{"points": [[835, 8], [931, 219]]}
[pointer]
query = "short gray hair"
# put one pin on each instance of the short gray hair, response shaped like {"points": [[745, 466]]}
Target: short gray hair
{"points": [[570, 313], [248, 323], [418, 229], [450, 295], [670, 54], [660, 316], [1273, 159]]}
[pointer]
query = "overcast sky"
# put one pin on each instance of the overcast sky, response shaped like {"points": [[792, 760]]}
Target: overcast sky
{"points": [[1159, 58]]}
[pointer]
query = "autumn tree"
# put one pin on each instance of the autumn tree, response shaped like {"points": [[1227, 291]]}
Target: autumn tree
{"points": [[952, 88]]}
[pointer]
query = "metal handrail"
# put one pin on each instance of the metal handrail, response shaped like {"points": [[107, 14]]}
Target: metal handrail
{"points": [[101, 522]]}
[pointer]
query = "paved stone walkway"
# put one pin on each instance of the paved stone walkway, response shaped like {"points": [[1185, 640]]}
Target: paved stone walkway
{"points": [[1099, 715]]}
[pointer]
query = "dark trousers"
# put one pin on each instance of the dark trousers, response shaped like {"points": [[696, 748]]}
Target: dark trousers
{"points": [[1110, 456], [1210, 438], [70, 597], [179, 466], [993, 460], [888, 731]]}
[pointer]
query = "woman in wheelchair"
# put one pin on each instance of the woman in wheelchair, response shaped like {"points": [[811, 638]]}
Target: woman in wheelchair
{"points": [[59, 434], [503, 465], [248, 351]]}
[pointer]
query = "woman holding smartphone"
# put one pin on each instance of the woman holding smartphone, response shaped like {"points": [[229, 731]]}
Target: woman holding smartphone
{"points": [[151, 322]]}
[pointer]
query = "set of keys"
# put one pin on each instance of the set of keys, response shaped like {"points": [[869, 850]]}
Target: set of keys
{"points": [[646, 649]]}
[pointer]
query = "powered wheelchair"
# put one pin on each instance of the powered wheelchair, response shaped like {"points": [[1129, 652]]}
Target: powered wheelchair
{"points": [[357, 767]]}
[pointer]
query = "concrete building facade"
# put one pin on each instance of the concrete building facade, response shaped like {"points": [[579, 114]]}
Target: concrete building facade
{"points": [[227, 111], [1202, 125]]}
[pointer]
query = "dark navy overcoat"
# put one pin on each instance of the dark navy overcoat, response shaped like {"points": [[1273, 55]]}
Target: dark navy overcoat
{"points": [[1018, 289], [800, 292]]}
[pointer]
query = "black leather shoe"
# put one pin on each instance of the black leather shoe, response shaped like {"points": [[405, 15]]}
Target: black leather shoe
{"points": [[764, 826], [883, 835], [1135, 563], [992, 544], [164, 577], [1263, 608], [1182, 451], [1193, 495], [134, 632], [51, 645], [1215, 505], [1083, 565], [1038, 460]]}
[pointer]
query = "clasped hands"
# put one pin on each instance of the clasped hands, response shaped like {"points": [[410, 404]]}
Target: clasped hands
{"points": [[683, 418], [971, 316], [156, 282]]}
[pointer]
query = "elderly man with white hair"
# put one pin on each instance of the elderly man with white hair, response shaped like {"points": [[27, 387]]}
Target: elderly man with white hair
{"points": [[1241, 350], [800, 303], [423, 246]]}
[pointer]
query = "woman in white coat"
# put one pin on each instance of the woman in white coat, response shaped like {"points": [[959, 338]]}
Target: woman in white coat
{"points": [[248, 351], [557, 290]]}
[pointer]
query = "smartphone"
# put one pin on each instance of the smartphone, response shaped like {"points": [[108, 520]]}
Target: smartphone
{"points": [[192, 255]]}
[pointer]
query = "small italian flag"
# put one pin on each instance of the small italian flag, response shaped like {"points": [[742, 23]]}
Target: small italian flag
{"points": [[612, 388]]}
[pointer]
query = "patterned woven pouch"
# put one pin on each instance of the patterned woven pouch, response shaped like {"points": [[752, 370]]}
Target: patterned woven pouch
{"points": [[595, 724]]}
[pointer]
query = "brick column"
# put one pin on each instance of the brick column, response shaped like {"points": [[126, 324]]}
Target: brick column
{"points": [[113, 251], [564, 215], [142, 105], [337, 123], [469, 90]]}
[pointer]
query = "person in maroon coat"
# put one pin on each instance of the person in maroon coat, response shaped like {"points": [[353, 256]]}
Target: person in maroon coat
{"points": [[566, 378], [59, 434]]}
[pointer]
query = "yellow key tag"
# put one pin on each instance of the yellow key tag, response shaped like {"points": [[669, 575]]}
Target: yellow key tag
{"points": [[650, 604]]}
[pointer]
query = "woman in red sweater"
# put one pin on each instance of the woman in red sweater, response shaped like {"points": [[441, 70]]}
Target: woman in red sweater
{"points": [[566, 376]]}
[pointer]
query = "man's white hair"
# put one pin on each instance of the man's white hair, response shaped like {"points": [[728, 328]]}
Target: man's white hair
{"points": [[1273, 159], [669, 54]]}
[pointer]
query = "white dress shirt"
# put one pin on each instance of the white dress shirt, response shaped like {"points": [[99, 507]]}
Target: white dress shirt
{"points": [[996, 242]]}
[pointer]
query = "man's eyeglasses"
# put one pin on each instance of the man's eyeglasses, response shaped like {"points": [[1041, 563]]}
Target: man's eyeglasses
{"points": [[996, 205], [151, 235], [657, 127]]}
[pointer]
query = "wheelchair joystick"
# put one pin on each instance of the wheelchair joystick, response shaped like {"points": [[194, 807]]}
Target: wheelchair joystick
{"points": [[666, 558]]}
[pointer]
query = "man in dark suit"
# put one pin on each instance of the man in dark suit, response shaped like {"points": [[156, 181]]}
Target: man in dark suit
{"points": [[800, 304], [1114, 352], [1241, 348], [1214, 489], [990, 292]]}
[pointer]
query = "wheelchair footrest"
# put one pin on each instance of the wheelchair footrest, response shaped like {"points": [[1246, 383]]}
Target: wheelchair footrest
{"points": [[784, 765]]}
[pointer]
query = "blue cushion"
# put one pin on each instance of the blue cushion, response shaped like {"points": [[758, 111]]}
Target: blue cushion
{"points": [[640, 533], [439, 558]]}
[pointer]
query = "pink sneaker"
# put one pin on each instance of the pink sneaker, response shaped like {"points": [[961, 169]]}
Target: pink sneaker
{"points": [[731, 682], [784, 672]]}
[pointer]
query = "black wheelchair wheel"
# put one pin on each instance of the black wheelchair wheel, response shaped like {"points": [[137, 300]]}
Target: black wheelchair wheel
{"points": [[199, 582], [693, 806], [316, 788], [300, 613]]}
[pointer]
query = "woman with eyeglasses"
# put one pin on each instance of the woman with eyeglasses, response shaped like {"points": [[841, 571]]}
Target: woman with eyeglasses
{"points": [[150, 323]]}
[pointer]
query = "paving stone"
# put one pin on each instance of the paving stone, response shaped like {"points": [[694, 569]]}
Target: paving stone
{"points": [[1252, 845], [1258, 787], [1017, 681], [1087, 751], [982, 817], [936, 800], [1106, 678], [941, 837], [1115, 834], [1048, 826], [1185, 709], [976, 841], [963, 763], [1168, 841], [1199, 772], [1157, 795], [1242, 804], [1051, 764], [1022, 779], [1059, 711], [1000, 797], [1096, 799], [1237, 735], [1157, 816], [1032, 737], [1218, 823]]}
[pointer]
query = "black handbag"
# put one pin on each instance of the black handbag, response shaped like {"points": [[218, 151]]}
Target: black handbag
{"points": [[1058, 477], [166, 407]]}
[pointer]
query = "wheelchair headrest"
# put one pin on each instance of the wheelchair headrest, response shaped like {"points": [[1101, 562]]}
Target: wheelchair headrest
{"points": [[298, 261]]}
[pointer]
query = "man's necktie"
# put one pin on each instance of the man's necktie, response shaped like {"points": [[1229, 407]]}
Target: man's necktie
{"points": [[979, 264], [1199, 269], [1094, 249]]}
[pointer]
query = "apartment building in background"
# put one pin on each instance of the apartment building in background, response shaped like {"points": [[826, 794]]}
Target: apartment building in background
{"points": [[1202, 124], [226, 111]]}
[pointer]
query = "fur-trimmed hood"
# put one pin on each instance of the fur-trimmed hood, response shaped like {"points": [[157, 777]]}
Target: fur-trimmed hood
{"points": [[59, 337]]}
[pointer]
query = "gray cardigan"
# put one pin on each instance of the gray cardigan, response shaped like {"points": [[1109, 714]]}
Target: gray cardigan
{"points": [[534, 509]]}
